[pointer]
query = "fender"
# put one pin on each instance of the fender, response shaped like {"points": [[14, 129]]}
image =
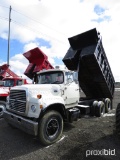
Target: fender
{"points": [[57, 107]]}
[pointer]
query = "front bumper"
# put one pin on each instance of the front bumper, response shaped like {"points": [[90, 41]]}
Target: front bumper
{"points": [[24, 124]]}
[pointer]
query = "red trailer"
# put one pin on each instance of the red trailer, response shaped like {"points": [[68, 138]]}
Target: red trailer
{"points": [[8, 79], [6, 72]]}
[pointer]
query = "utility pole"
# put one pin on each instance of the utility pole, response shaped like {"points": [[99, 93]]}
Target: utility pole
{"points": [[9, 36]]}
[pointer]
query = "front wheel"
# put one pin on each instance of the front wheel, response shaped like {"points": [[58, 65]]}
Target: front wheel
{"points": [[50, 127]]}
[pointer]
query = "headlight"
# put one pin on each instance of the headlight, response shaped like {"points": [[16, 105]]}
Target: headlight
{"points": [[33, 108]]}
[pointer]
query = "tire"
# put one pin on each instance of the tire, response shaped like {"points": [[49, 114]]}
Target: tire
{"points": [[50, 128], [118, 119], [100, 109], [92, 109], [2, 108], [107, 105]]}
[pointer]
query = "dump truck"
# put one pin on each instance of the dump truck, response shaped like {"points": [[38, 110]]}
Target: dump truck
{"points": [[42, 108], [8, 79]]}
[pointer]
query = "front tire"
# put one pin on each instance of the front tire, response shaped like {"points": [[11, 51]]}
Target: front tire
{"points": [[50, 127]]}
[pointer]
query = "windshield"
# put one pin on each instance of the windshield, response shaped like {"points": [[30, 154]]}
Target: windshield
{"points": [[9, 83], [51, 78]]}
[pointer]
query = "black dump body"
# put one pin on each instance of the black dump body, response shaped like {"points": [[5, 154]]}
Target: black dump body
{"points": [[86, 55]]}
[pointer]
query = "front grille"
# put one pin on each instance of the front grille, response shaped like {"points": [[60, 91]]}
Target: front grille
{"points": [[17, 101]]}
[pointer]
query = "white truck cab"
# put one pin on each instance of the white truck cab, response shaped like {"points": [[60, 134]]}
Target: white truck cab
{"points": [[62, 84], [40, 108]]}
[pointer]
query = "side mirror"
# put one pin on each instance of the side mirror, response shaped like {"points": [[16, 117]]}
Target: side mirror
{"points": [[76, 81], [69, 80], [19, 83]]}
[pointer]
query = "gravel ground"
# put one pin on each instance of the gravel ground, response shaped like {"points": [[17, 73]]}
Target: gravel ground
{"points": [[81, 140]]}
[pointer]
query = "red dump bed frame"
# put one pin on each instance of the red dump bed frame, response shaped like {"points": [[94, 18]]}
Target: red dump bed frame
{"points": [[6, 72], [37, 61]]}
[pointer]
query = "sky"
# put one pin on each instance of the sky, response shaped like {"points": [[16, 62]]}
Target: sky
{"points": [[48, 24]]}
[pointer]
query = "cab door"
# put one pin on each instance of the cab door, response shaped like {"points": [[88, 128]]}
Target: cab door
{"points": [[71, 90]]}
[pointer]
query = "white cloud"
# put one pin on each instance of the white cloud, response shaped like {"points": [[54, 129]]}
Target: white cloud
{"points": [[18, 64], [56, 20], [30, 46], [45, 50]]}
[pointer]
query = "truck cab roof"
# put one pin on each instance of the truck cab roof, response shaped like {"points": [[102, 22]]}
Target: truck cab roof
{"points": [[53, 70], [17, 78]]}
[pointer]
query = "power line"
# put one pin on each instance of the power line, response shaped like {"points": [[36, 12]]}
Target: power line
{"points": [[39, 22], [7, 19], [36, 31], [4, 18], [35, 20], [3, 6], [33, 30]]}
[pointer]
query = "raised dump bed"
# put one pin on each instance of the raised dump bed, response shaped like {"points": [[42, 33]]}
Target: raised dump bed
{"points": [[37, 61], [86, 55], [6, 72]]}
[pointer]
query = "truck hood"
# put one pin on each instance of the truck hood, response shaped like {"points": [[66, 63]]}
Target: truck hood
{"points": [[43, 89], [4, 91]]}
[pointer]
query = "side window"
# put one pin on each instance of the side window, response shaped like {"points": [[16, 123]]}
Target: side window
{"points": [[9, 83], [69, 76], [19, 82], [75, 77]]}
